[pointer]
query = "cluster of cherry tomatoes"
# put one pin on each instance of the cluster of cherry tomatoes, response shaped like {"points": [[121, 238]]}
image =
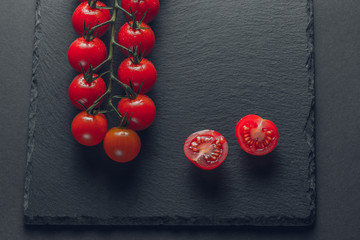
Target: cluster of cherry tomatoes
{"points": [[207, 149], [137, 75]]}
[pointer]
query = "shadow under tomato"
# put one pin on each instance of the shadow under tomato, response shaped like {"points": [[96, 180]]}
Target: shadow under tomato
{"points": [[95, 163], [207, 183], [260, 165]]}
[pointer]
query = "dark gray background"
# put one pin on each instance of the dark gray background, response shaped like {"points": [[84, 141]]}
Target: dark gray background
{"points": [[337, 86]]}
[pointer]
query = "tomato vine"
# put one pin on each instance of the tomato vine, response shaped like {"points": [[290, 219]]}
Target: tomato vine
{"points": [[84, 58]]}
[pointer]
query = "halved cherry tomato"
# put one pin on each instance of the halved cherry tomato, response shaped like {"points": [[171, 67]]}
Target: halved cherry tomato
{"points": [[131, 38], [256, 135], [82, 52], [89, 130], [141, 109], [91, 17], [140, 7], [85, 92], [207, 149], [122, 144], [144, 71]]}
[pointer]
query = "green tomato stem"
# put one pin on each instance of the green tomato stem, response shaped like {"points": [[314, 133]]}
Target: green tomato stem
{"points": [[110, 59]]}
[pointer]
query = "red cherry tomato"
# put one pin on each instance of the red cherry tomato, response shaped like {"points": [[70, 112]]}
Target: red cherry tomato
{"points": [[82, 51], [142, 72], [132, 38], [256, 135], [207, 149], [91, 16], [122, 145], [142, 110], [85, 92], [89, 130], [140, 7]]}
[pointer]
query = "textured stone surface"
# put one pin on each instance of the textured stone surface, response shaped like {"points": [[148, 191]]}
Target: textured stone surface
{"points": [[217, 61]]}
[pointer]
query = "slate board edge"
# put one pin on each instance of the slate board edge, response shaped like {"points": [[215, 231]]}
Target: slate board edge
{"points": [[280, 220], [33, 106], [309, 128]]}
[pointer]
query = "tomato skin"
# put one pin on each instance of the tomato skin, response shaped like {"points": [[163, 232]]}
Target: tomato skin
{"points": [[256, 136], [89, 130], [121, 144], [86, 93], [142, 110], [84, 13], [137, 73], [132, 38], [82, 51], [140, 7], [201, 146]]}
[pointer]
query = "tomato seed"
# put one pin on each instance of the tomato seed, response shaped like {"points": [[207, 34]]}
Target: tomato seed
{"points": [[194, 149]]}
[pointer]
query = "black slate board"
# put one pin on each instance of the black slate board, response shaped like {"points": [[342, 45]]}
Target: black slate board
{"points": [[217, 61]]}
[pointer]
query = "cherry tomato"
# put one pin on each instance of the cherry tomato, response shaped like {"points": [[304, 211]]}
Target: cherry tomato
{"points": [[132, 38], [207, 149], [82, 51], [140, 7], [85, 92], [142, 110], [142, 72], [89, 130], [91, 17], [121, 144], [256, 135]]}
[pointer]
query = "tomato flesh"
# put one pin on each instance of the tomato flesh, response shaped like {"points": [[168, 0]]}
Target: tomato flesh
{"points": [[207, 149], [256, 136]]}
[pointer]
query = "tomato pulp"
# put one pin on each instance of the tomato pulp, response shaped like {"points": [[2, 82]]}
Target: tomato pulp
{"points": [[207, 149], [256, 136]]}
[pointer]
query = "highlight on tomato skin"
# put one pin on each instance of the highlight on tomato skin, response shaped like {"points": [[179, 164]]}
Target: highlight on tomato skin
{"points": [[207, 149], [256, 136]]}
